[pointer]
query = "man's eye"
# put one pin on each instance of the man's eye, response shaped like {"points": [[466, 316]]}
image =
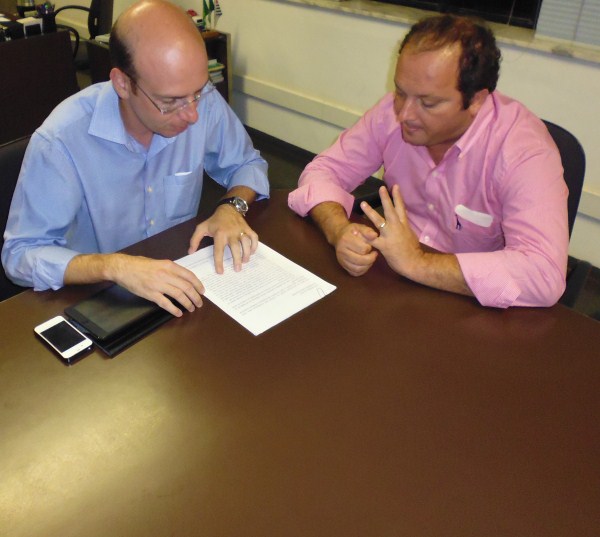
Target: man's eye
{"points": [[428, 104]]}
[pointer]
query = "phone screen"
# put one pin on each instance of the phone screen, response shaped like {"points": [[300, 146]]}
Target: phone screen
{"points": [[62, 336]]}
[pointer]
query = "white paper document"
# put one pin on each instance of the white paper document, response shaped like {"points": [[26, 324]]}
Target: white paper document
{"points": [[269, 288]]}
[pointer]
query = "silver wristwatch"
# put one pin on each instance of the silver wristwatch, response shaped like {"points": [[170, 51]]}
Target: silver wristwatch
{"points": [[239, 204]]}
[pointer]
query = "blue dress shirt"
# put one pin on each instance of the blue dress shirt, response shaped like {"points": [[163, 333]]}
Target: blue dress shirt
{"points": [[87, 186]]}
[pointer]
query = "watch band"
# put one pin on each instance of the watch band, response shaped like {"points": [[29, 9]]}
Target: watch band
{"points": [[239, 204]]}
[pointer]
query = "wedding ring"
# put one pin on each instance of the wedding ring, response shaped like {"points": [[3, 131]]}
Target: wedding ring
{"points": [[241, 234], [381, 226]]}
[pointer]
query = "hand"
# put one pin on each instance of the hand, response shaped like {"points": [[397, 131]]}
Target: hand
{"points": [[353, 249], [396, 240], [157, 280], [228, 228]]}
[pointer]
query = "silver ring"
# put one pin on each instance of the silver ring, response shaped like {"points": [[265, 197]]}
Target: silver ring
{"points": [[381, 226]]}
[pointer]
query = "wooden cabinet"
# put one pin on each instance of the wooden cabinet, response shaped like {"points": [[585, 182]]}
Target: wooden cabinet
{"points": [[218, 46], [99, 59], [37, 74]]}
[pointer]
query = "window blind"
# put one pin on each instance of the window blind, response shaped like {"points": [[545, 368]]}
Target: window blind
{"points": [[573, 20]]}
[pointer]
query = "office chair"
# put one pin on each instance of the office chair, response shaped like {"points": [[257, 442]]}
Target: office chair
{"points": [[573, 160], [11, 157], [99, 22]]}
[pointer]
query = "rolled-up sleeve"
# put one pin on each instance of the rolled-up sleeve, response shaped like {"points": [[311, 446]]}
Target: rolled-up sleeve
{"points": [[337, 171], [42, 209], [531, 268]]}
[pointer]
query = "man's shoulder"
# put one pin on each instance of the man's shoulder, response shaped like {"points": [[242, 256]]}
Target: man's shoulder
{"points": [[514, 128], [73, 110], [384, 107], [517, 134], [380, 120], [512, 116]]}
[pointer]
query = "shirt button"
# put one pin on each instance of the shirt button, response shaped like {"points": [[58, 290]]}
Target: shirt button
{"points": [[431, 206], [149, 190], [426, 239], [151, 222]]}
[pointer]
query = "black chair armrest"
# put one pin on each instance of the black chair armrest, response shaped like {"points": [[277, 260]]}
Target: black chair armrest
{"points": [[369, 192]]}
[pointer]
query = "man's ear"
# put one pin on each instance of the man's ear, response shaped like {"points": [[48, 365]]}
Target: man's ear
{"points": [[477, 101], [120, 82]]}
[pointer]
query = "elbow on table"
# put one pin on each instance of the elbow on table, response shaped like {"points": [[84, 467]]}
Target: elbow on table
{"points": [[16, 277], [546, 292], [552, 297], [540, 289]]}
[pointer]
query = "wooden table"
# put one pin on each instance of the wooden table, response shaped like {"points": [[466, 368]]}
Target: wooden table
{"points": [[386, 408]]}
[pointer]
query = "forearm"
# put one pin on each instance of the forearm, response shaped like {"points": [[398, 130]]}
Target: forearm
{"points": [[94, 268], [152, 279], [441, 271], [331, 219]]}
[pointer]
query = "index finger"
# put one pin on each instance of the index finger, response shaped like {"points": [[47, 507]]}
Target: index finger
{"points": [[189, 276]]}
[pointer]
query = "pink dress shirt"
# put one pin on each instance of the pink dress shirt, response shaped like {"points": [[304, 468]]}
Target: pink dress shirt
{"points": [[497, 199]]}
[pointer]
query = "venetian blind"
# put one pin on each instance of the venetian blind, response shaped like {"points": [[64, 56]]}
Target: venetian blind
{"points": [[573, 20]]}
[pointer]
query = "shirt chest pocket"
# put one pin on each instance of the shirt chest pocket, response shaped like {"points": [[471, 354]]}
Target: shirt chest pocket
{"points": [[476, 231], [182, 194]]}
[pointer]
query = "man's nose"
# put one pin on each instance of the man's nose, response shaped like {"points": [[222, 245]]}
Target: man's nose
{"points": [[406, 111], [190, 113]]}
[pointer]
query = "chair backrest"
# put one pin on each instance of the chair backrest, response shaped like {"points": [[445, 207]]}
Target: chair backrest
{"points": [[100, 18], [100, 14], [573, 161], [11, 157]]}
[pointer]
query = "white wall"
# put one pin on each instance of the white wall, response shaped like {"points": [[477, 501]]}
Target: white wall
{"points": [[302, 74], [73, 17]]}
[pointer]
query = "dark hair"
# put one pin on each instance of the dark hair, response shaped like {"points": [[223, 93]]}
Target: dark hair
{"points": [[479, 63], [120, 54]]}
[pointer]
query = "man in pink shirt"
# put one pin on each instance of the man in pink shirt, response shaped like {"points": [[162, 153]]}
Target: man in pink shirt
{"points": [[478, 203]]}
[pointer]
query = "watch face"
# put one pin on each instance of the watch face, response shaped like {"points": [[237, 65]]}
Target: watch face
{"points": [[240, 205]]}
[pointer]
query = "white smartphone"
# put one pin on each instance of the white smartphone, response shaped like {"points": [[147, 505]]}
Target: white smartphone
{"points": [[68, 342]]}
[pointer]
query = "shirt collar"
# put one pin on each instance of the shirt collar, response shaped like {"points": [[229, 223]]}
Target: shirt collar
{"points": [[106, 123], [106, 120], [475, 131]]}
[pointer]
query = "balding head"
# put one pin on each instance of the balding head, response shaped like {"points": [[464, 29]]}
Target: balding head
{"points": [[155, 36]]}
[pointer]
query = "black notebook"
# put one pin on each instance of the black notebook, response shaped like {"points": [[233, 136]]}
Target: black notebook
{"points": [[115, 318]]}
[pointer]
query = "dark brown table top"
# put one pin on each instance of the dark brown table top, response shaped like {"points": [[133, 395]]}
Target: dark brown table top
{"points": [[386, 408]]}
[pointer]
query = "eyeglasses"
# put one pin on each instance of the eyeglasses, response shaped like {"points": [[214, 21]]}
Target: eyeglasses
{"points": [[177, 104]]}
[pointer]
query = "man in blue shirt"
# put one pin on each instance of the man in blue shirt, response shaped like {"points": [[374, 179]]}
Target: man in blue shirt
{"points": [[123, 160]]}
